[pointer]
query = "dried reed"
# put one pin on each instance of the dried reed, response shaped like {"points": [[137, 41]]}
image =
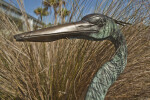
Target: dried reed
{"points": [[63, 69]]}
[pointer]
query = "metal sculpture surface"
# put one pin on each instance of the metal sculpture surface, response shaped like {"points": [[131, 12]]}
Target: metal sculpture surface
{"points": [[95, 27]]}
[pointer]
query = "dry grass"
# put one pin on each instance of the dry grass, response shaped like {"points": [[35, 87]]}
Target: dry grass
{"points": [[134, 82], [63, 69]]}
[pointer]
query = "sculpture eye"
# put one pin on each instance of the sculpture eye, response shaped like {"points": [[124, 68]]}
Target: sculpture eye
{"points": [[101, 22]]}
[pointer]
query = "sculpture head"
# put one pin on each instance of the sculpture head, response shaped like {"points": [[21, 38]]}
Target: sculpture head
{"points": [[92, 27]]}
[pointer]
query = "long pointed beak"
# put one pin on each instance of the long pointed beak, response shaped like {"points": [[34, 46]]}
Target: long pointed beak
{"points": [[71, 30]]}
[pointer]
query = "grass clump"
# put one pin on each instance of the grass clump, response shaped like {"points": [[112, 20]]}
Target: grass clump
{"points": [[62, 70]]}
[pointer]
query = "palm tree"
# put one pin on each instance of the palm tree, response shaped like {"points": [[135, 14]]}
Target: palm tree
{"points": [[61, 9], [54, 4], [41, 12], [64, 13]]}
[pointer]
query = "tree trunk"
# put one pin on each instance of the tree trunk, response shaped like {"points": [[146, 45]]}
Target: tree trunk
{"points": [[63, 20], [61, 12], [55, 14], [41, 18]]}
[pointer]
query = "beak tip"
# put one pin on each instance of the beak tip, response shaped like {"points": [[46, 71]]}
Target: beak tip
{"points": [[18, 38]]}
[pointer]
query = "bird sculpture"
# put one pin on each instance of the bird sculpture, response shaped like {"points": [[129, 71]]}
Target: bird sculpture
{"points": [[95, 27]]}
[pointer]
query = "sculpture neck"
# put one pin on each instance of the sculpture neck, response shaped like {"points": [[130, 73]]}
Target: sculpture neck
{"points": [[120, 57], [109, 72]]}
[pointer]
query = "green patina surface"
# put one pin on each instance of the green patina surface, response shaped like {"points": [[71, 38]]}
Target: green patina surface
{"points": [[106, 30], [109, 72]]}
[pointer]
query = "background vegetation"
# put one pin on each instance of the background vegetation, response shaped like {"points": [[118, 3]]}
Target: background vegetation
{"points": [[62, 70]]}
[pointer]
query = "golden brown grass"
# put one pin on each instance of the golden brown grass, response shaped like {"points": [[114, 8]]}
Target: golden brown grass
{"points": [[62, 70], [134, 83]]}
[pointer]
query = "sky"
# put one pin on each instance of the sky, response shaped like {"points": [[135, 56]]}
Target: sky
{"points": [[30, 5], [89, 7]]}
